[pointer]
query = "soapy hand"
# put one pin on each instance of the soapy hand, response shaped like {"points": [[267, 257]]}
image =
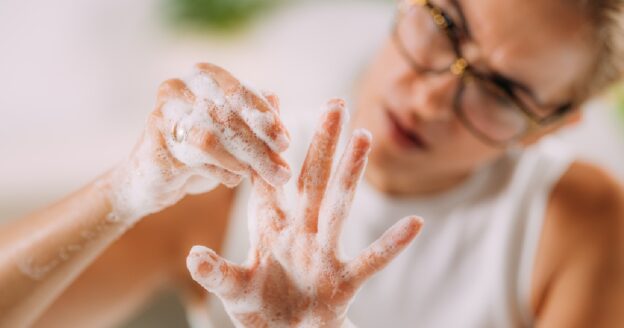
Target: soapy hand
{"points": [[206, 130], [294, 275]]}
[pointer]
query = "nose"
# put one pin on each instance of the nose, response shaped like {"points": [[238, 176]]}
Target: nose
{"points": [[432, 96]]}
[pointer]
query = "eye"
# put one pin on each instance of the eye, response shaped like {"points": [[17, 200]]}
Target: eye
{"points": [[450, 18], [454, 29], [502, 100], [496, 96], [442, 19]]}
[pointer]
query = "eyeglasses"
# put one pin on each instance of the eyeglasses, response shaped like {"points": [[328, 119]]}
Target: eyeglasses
{"points": [[487, 104]]}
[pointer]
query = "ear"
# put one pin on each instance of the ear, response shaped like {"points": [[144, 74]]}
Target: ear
{"points": [[575, 116]]}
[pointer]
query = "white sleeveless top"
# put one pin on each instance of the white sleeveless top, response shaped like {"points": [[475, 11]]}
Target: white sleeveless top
{"points": [[471, 264]]}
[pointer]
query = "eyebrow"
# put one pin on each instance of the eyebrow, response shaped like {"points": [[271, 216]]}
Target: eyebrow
{"points": [[505, 80]]}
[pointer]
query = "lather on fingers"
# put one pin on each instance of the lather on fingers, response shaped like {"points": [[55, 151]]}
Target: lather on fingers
{"points": [[268, 215], [207, 112], [252, 108], [211, 144], [273, 100], [341, 190], [378, 254], [293, 275], [174, 89], [317, 166], [245, 146], [215, 273], [244, 122]]}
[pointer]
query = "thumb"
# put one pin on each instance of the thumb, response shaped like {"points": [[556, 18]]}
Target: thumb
{"points": [[216, 274]]}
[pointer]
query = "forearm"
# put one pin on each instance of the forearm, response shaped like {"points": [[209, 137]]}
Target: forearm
{"points": [[199, 135], [144, 261], [42, 253]]}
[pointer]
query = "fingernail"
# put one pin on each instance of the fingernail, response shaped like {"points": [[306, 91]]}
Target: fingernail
{"points": [[363, 133], [413, 224], [281, 176], [198, 250], [194, 259], [231, 183], [337, 104], [282, 141]]}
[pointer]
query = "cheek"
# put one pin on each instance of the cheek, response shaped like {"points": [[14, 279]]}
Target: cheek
{"points": [[379, 81], [463, 151], [384, 72]]}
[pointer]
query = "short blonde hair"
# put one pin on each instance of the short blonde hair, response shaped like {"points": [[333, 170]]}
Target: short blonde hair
{"points": [[607, 18]]}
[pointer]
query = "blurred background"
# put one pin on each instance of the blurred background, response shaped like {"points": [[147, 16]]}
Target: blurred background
{"points": [[78, 78]]}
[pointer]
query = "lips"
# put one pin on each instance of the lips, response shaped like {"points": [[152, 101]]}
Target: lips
{"points": [[403, 136]]}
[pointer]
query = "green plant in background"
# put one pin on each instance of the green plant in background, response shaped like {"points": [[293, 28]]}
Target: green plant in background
{"points": [[617, 95], [221, 15], [215, 14]]}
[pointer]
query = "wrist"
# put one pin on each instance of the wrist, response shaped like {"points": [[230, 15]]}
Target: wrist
{"points": [[128, 193]]}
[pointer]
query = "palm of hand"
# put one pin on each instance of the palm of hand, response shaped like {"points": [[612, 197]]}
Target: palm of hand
{"points": [[294, 275]]}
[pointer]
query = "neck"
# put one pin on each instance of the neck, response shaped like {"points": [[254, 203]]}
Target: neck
{"points": [[410, 184]]}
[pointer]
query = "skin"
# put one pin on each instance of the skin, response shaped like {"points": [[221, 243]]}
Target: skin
{"points": [[149, 259], [578, 275], [295, 276], [36, 267], [585, 211], [423, 103]]}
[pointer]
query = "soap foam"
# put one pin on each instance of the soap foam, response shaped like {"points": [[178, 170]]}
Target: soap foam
{"points": [[205, 87], [38, 268], [152, 179], [285, 244]]}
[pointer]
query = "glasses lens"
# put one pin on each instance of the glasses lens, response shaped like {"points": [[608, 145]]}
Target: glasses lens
{"points": [[491, 112], [426, 43]]}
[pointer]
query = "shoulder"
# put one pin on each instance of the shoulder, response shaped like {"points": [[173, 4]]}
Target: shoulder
{"points": [[581, 237], [586, 203], [584, 216], [586, 184]]}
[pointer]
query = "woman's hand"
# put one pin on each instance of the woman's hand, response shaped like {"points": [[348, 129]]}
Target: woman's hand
{"points": [[209, 127], [295, 276], [207, 130]]}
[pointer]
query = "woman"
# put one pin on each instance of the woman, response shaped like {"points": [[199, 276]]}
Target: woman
{"points": [[512, 238]]}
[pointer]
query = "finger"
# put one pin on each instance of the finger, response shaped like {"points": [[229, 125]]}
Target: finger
{"points": [[265, 124], [267, 215], [216, 274], [272, 99], [156, 142], [236, 136], [377, 255], [251, 106], [226, 81], [227, 178], [174, 89], [174, 101], [317, 166], [199, 184], [251, 319], [209, 143], [341, 190]]}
